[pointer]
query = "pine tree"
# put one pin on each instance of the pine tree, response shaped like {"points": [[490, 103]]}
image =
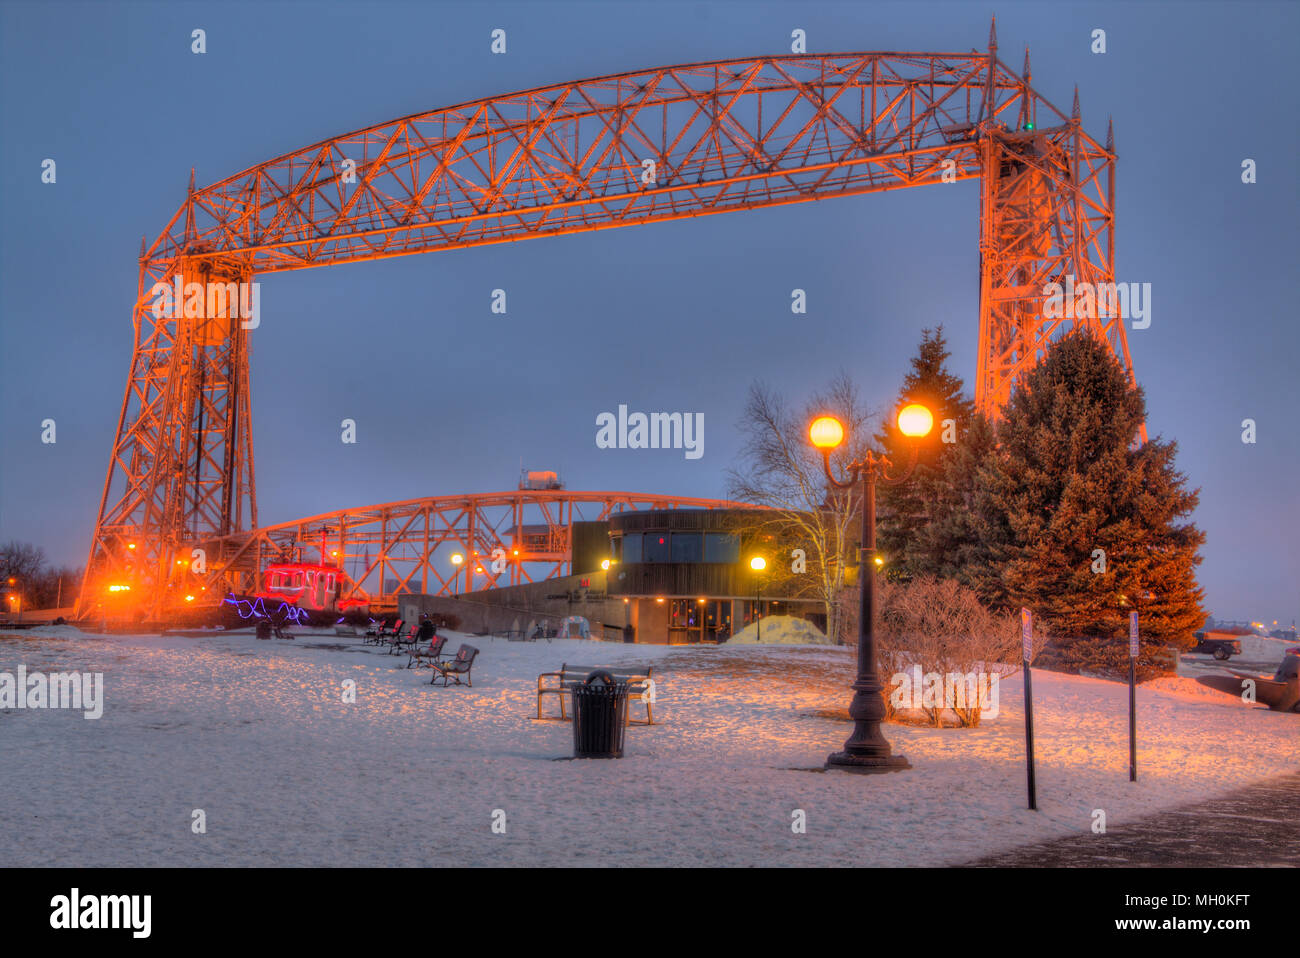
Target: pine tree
{"points": [[951, 544], [905, 512], [1078, 523]]}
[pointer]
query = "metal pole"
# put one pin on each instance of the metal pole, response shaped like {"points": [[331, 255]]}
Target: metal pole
{"points": [[1132, 696], [866, 750], [1027, 650], [1029, 735]]}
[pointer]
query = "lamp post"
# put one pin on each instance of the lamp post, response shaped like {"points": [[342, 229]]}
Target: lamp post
{"points": [[758, 564], [456, 560], [866, 750]]}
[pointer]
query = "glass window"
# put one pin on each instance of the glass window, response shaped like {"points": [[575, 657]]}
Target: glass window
{"points": [[654, 547], [722, 547], [632, 547], [683, 614], [688, 547]]}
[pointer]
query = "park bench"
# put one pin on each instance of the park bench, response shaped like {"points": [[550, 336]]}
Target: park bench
{"points": [[401, 638], [640, 688], [377, 635], [267, 628], [452, 669], [431, 653], [404, 640]]}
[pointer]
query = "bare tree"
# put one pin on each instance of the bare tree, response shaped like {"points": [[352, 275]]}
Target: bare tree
{"points": [[940, 626], [21, 561], [779, 468]]}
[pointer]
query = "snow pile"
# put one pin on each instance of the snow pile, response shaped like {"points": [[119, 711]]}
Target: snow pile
{"points": [[780, 630], [1264, 649]]}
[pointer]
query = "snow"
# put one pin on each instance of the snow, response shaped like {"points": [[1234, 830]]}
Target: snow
{"points": [[255, 733], [780, 630]]}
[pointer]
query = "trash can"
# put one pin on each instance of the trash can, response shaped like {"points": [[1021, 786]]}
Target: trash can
{"points": [[599, 713], [263, 628]]}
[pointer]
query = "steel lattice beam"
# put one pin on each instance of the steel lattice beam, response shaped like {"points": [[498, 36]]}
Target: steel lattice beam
{"points": [[533, 530], [641, 147]]}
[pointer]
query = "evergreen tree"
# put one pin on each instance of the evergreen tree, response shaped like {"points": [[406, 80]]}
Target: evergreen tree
{"points": [[951, 545], [905, 512], [1079, 524]]}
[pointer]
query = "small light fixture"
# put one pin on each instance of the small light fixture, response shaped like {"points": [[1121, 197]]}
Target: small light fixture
{"points": [[915, 421], [826, 432]]}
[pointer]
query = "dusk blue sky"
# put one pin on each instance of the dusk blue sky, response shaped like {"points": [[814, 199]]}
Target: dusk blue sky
{"points": [[679, 316]]}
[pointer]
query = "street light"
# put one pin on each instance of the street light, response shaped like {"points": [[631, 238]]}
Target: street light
{"points": [[456, 560], [758, 564], [866, 750]]}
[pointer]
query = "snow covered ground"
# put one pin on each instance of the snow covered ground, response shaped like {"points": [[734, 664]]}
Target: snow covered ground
{"points": [[257, 736]]}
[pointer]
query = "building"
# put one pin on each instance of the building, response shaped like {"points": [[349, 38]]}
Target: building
{"points": [[683, 575], [674, 576]]}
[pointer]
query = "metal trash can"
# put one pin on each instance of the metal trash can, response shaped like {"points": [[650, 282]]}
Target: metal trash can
{"points": [[599, 716]]}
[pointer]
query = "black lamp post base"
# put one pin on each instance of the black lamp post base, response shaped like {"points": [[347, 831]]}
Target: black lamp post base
{"points": [[867, 764]]}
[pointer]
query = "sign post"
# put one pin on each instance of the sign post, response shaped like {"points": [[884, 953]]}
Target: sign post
{"points": [[1132, 696], [1027, 643]]}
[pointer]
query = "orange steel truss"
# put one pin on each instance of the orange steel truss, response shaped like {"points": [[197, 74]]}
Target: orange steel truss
{"points": [[506, 538], [642, 147]]}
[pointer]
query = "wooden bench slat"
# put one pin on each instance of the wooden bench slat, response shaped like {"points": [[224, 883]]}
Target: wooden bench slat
{"points": [[570, 677]]}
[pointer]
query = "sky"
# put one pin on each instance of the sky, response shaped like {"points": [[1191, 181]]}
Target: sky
{"points": [[449, 397]]}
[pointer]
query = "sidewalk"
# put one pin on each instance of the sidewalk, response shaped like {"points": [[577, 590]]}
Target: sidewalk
{"points": [[1256, 827]]}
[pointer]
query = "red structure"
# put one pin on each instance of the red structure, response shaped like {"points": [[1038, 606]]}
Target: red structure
{"points": [[661, 144], [308, 585]]}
